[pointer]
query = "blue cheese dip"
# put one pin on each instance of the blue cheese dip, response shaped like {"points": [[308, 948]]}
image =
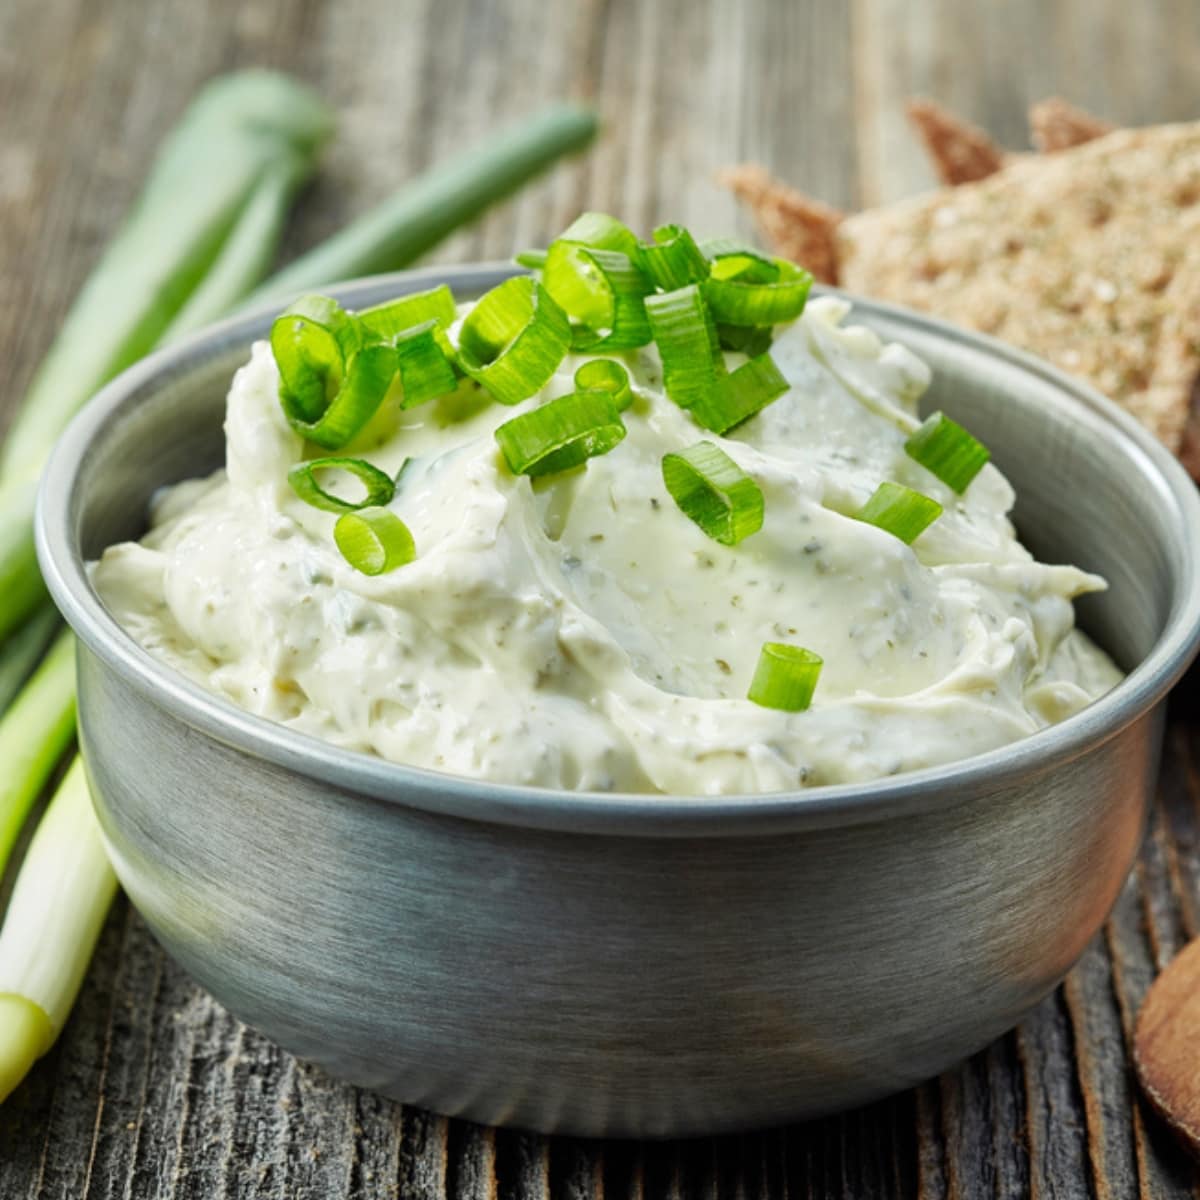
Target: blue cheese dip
{"points": [[580, 632]]}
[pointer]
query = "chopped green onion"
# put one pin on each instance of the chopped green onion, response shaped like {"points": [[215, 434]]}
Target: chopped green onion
{"points": [[374, 540], [786, 677], [751, 265], [672, 260], [687, 343], [55, 914], [899, 511], [303, 478], [34, 733], [601, 232], [426, 370], [604, 375], [741, 394], [714, 492], [751, 340], [944, 447], [739, 294], [514, 339], [311, 341], [562, 434], [531, 260], [602, 290], [331, 384], [385, 322]]}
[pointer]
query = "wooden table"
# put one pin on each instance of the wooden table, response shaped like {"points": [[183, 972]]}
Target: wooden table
{"points": [[153, 1090]]}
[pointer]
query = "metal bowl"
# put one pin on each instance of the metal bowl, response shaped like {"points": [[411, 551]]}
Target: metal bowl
{"points": [[629, 965]]}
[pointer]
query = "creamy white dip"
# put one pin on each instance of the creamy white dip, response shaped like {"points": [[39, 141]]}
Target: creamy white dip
{"points": [[581, 632]]}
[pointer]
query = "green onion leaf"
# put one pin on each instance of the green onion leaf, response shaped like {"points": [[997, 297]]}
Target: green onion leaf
{"points": [[900, 511], [751, 340], [604, 375], [600, 289], [944, 447], [514, 339], [672, 260], [786, 677], [303, 478], [714, 492], [740, 291], [741, 394], [374, 540], [426, 371], [562, 434], [385, 322], [687, 342]]}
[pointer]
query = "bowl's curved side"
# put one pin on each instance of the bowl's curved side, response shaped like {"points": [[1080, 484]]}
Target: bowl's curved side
{"points": [[605, 985]]}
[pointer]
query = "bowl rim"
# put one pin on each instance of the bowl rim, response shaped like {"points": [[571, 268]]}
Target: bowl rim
{"points": [[619, 813]]}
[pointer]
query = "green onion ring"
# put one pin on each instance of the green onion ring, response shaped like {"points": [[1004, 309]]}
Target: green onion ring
{"points": [[739, 395], [303, 479], [672, 260], [600, 289], [687, 343], [425, 371], [374, 541], [944, 447], [738, 293], [514, 339], [311, 341], [715, 492], [604, 375], [561, 435], [385, 322], [899, 511], [786, 677]]}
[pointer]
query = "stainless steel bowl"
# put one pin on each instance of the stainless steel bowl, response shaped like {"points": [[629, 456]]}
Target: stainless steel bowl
{"points": [[629, 965]]}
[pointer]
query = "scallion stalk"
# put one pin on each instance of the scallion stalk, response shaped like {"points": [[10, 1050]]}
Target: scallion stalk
{"points": [[34, 734], [420, 215], [20, 653], [55, 915]]}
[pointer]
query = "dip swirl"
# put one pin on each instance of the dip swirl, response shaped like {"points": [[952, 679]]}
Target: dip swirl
{"points": [[579, 632]]}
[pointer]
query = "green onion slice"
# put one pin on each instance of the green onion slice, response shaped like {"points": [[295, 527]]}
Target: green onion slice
{"points": [[751, 340], [687, 342], [714, 492], [601, 232], [425, 370], [740, 291], [786, 677], [386, 322], [602, 290], [311, 341], [532, 260], [740, 394], [672, 260], [303, 478], [944, 447], [604, 375], [330, 382], [900, 511], [513, 340], [562, 434], [374, 540]]}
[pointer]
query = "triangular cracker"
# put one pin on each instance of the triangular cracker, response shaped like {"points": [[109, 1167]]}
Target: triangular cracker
{"points": [[960, 152], [796, 226], [1056, 125]]}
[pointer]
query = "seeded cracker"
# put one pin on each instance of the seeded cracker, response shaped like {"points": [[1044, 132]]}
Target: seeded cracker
{"points": [[1088, 256]]}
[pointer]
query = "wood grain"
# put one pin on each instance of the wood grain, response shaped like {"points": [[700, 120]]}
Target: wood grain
{"points": [[154, 1091]]}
